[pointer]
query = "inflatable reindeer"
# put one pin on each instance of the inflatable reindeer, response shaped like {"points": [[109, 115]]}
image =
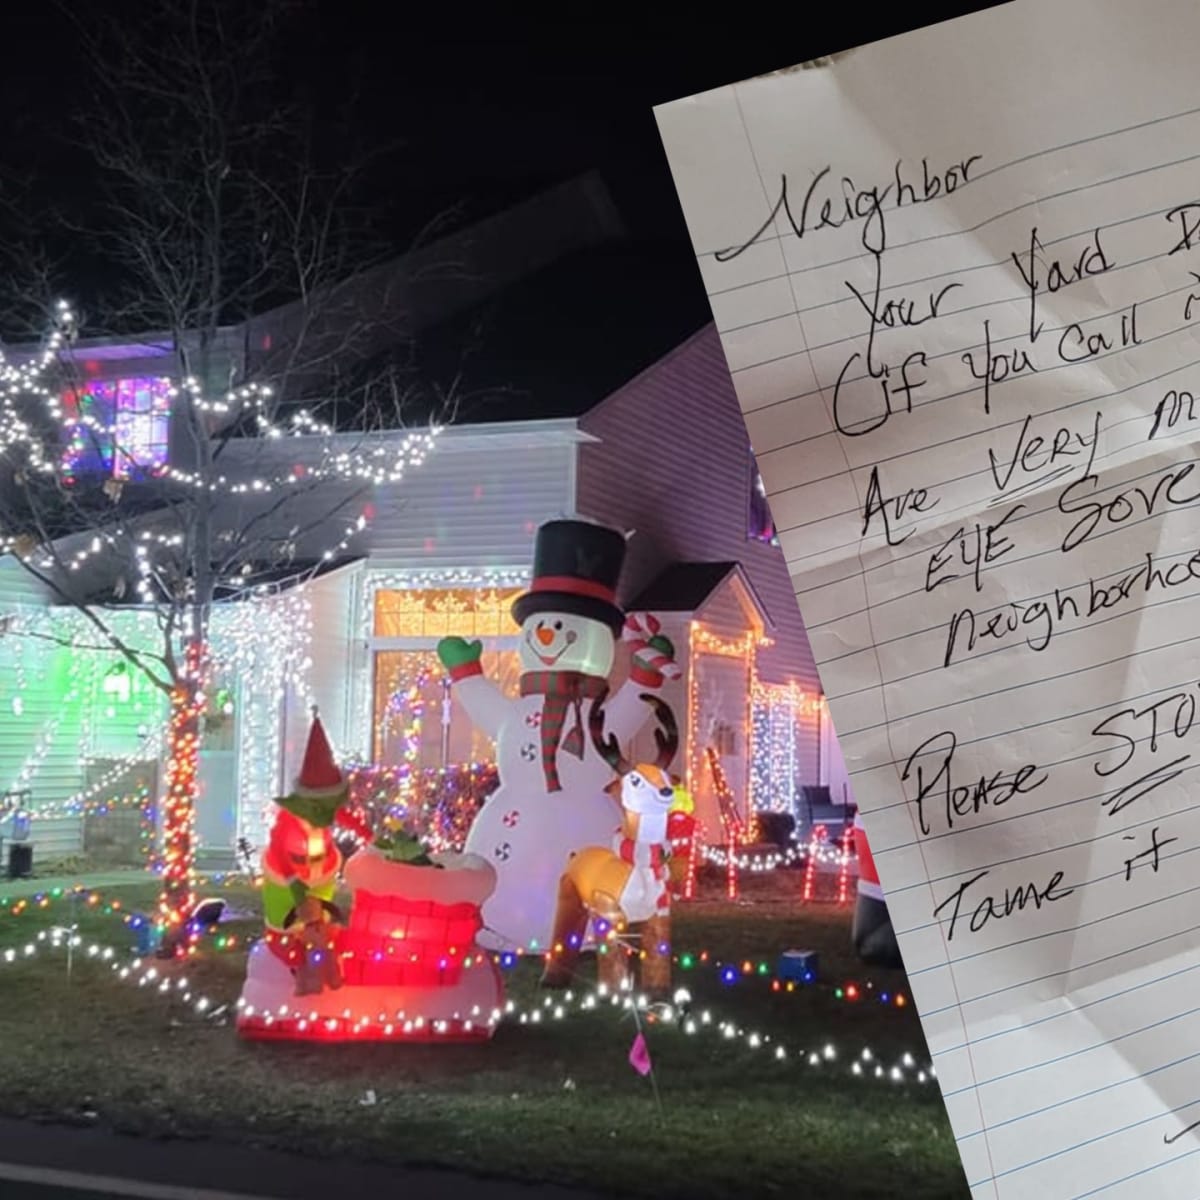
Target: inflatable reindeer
{"points": [[626, 884]]}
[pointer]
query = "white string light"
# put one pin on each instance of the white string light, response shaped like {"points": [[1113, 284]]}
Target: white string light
{"points": [[373, 459], [398, 1024]]}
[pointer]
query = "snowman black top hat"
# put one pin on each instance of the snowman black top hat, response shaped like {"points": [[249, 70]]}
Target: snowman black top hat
{"points": [[576, 566]]}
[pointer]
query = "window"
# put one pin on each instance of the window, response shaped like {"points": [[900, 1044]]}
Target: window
{"points": [[761, 528], [446, 612], [121, 428], [413, 723], [414, 727]]}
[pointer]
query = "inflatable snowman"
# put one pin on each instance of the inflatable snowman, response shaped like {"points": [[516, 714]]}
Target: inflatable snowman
{"points": [[552, 801]]}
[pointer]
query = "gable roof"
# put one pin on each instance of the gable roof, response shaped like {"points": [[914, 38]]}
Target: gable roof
{"points": [[687, 586]]}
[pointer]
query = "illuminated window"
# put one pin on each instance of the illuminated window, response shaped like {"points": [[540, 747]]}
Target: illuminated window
{"points": [[411, 725], [760, 527], [446, 612], [121, 428], [414, 726]]}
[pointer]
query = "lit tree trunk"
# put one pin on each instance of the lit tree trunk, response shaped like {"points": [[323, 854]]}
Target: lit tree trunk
{"points": [[177, 900]]}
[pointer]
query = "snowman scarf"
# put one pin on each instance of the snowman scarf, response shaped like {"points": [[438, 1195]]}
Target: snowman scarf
{"points": [[565, 691]]}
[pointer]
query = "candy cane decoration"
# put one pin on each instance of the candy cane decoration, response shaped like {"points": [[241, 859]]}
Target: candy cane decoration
{"points": [[693, 866], [844, 870], [644, 634], [819, 835]]}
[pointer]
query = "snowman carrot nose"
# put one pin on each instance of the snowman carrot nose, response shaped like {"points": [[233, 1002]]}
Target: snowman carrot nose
{"points": [[545, 636]]}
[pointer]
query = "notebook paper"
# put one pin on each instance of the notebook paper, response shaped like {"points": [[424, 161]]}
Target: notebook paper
{"points": [[957, 279]]}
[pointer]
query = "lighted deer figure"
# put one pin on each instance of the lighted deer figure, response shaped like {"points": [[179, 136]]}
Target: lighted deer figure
{"points": [[626, 884]]}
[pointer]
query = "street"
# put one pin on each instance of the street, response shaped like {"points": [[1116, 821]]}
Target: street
{"points": [[47, 1162]]}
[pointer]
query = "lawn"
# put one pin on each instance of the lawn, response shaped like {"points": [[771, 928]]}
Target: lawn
{"points": [[553, 1099]]}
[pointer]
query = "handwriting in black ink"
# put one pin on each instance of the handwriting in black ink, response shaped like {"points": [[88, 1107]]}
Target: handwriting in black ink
{"points": [[1168, 1139], [902, 311], [961, 800], [1153, 779], [895, 395], [1192, 298], [1041, 619], [1170, 490], [1188, 216], [1171, 718], [1035, 454], [1152, 851], [1075, 346], [823, 211], [998, 907], [996, 368], [1053, 276], [1173, 408], [974, 547], [891, 508]]}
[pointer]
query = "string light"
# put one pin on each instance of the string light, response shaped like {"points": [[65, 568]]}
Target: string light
{"points": [[53, 445], [729, 972], [779, 710], [378, 583], [178, 895], [396, 1026], [440, 805], [263, 640]]}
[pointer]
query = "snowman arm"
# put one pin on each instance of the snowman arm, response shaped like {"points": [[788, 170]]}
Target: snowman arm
{"points": [[485, 704], [626, 711]]}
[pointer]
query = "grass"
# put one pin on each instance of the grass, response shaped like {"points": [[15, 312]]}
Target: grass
{"points": [[554, 1101]]}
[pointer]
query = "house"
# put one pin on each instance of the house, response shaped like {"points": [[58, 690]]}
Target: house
{"points": [[570, 413]]}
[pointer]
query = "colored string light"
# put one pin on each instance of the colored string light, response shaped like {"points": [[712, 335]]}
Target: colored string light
{"points": [[397, 1026], [178, 897]]}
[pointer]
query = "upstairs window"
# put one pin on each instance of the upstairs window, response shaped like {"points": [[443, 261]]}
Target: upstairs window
{"points": [[121, 428], [760, 528]]}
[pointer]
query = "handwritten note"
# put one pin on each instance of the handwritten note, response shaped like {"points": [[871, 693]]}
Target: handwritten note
{"points": [[957, 279]]}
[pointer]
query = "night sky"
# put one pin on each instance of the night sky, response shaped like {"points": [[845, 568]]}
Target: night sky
{"points": [[490, 107], [487, 107]]}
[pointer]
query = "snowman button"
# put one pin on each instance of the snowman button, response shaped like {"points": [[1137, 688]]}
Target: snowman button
{"points": [[529, 752], [533, 720]]}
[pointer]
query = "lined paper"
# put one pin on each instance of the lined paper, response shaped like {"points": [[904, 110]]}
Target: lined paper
{"points": [[957, 280]]}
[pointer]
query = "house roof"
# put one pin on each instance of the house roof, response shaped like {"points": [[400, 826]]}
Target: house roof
{"points": [[557, 343], [682, 587]]}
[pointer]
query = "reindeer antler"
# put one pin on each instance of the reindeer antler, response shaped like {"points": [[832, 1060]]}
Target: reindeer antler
{"points": [[666, 738], [606, 747]]}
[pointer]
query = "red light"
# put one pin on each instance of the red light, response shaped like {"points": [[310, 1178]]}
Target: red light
{"points": [[177, 899]]}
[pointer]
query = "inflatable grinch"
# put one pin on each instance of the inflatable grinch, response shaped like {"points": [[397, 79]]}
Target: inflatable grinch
{"points": [[552, 799], [302, 860], [404, 965]]}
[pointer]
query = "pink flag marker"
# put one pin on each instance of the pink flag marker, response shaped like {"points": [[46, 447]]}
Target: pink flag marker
{"points": [[639, 1056]]}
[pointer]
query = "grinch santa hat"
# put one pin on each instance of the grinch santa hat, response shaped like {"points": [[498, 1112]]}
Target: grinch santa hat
{"points": [[321, 788]]}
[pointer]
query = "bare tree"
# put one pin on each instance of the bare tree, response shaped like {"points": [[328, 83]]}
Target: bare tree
{"points": [[241, 262]]}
